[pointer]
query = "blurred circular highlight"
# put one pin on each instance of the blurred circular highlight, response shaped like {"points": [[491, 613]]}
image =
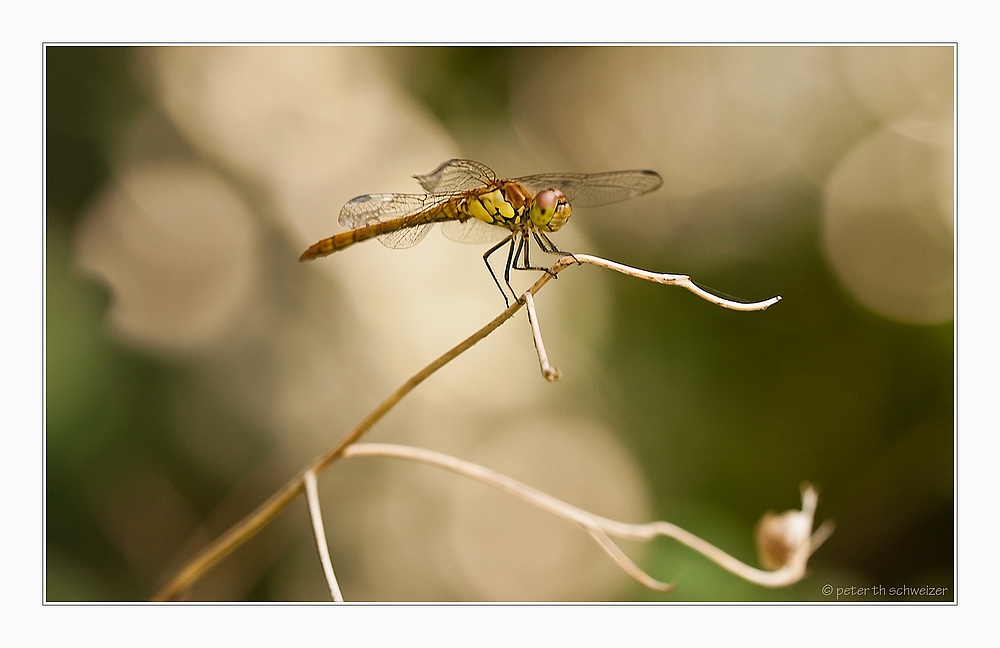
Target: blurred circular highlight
{"points": [[888, 222], [176, 246], [507, 550]]}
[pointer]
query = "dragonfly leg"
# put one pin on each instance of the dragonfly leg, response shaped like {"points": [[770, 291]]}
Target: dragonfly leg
{"points": [[551, 247], [526, 265], [512, 258], [486, 260]]}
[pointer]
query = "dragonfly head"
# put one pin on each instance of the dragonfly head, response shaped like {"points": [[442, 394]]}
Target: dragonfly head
{"points": [[549, 210]]}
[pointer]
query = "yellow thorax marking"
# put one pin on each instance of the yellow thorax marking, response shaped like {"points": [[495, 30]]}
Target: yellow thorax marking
{"points": [[492, 207]]}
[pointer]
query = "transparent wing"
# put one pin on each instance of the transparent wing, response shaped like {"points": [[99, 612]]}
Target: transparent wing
{"points": [[594, 189], [379, 208], [404, 238], [456, 175], [473, 231]]}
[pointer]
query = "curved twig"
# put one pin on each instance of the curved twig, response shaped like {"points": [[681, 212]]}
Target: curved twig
{"points": [[600, 527], [683, 281], [316, 515]]}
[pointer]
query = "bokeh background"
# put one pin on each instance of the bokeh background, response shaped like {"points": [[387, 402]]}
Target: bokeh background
{"points": [[193, 365]]}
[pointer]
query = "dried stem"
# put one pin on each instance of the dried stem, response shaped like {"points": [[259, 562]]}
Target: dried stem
{"points": [[600, 527], [316, 515], [623, 561], [675, 280], [549, 372], [255, 521], [790, 573]]}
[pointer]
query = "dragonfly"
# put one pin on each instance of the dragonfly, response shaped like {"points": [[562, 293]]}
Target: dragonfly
{"points": [[475, 206]]}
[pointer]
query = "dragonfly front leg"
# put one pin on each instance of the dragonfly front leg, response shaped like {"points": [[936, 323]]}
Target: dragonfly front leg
{"points": [[526, 265], [486, 260], [549, 247]]}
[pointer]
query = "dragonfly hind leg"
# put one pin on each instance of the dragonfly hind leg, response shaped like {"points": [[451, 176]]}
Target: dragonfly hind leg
{"points": [[486, 260]]}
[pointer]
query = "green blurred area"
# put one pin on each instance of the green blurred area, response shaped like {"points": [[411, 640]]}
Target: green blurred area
{"points": [[726, 412], [722, 407], [109, 422]]}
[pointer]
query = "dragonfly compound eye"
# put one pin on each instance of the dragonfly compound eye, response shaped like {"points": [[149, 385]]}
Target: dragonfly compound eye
{"points": [[550, 210]]}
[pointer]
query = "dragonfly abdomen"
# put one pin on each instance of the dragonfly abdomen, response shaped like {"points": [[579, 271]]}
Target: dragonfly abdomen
{"points": [[445, 212]]}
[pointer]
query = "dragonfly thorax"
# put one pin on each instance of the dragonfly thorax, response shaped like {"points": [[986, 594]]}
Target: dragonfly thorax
{"points": [[504, 204]]}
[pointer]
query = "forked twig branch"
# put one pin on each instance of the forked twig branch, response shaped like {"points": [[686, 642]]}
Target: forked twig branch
{"points": [[255, 521], [630, 568], [600, 527]]}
